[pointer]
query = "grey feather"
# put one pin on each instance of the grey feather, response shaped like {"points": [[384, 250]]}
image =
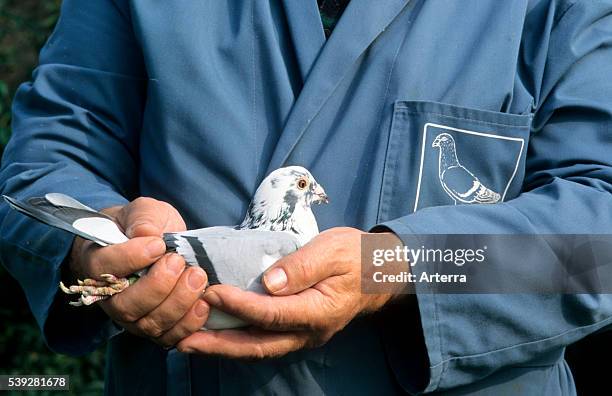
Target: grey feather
{"points": [[230, 256], [66, 213], [233, 257]]}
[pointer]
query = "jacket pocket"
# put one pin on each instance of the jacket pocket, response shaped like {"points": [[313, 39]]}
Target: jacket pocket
{"points": [[441, 154]]}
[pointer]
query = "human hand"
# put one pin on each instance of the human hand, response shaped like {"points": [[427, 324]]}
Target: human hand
{"points": [[163, 305], [315, 292]]}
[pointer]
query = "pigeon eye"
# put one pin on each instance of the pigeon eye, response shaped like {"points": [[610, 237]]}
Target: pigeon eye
{"points": [[302, 184]]}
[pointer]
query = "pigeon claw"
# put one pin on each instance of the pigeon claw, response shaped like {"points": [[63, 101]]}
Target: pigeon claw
{"points": [[92, 290]]}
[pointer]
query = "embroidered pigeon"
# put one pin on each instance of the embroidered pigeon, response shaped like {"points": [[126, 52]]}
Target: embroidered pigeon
{"points": [[279, 220], [458, 182]]}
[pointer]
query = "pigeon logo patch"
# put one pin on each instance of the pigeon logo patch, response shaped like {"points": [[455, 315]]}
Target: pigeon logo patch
{"points": [[460, 166]]}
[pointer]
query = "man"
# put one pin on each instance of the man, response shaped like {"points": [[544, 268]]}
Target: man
{"points": [[194, 103]]}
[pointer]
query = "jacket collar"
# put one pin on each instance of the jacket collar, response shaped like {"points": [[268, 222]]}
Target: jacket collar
{"points": [[324, 64], [306, 32]]}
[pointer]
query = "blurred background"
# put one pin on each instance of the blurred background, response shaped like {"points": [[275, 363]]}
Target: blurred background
{"points": [[24, 27]]}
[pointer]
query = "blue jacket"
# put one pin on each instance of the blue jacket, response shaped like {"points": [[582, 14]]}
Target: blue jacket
{"points": [[194, 102]]}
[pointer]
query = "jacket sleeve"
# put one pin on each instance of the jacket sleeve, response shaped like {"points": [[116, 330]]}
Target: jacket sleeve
{"points": [[75, 131], [567, 190]]}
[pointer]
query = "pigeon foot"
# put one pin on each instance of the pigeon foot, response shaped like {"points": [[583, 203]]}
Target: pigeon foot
{"points": [[92, 290]]}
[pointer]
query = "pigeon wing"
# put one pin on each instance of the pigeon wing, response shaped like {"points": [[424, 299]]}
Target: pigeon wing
{"points": [[234, 257], [231, 256], [66, 213]]}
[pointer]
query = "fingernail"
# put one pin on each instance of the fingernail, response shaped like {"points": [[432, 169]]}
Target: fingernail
{"points": [[275, 279], [196, 279], [174, 264], [213, 298], [156, 247], [201, 309]]}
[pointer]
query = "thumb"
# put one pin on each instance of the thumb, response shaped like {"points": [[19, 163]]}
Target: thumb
{"points": [[297, 272], [149, 217]]}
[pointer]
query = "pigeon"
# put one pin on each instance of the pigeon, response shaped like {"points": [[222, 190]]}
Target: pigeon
{"points": [[458, 182], [279, 220]]}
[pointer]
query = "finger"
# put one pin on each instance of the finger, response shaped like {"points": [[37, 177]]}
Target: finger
{"points": [[145, 295], [112, 211], [184, 295], [149, 217], [193, 321], [125, 258], [301, 269], [243, 344], [293, 312]]}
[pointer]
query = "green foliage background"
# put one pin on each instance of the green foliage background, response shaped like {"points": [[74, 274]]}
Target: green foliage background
{"points": [[24, 27]]}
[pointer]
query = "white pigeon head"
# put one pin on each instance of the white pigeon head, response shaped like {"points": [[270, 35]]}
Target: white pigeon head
{"points": [[443, 140], [282, 203]]}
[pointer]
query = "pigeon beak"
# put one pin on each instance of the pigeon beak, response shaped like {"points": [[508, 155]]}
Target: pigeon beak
{"points": [[320, 196], [436, 143]]}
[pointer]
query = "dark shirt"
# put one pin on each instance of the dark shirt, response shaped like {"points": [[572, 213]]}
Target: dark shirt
{"points": [[330, 11]]}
